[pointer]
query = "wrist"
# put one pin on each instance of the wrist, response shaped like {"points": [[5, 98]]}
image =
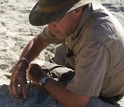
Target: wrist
{"points": [[22, 65], [23, 59]]}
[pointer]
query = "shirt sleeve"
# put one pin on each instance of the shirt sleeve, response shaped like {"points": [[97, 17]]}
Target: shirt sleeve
{"points": [[90, 69], [49, 38]]}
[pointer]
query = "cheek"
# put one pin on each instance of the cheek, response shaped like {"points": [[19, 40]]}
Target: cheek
{"points": [[61, 28], [68, 28], [66, 25]]}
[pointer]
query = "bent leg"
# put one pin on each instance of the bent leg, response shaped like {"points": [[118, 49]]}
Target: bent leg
{"points": [[60, 55]]}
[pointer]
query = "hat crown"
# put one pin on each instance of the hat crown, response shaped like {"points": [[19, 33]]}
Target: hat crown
{"points": [[49, 3], [47, 11]]}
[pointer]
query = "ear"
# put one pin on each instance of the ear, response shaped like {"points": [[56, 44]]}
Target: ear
{"points": [[78, 11]]}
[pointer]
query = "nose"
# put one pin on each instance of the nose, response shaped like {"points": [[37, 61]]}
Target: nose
{"points": [[52, 26]]}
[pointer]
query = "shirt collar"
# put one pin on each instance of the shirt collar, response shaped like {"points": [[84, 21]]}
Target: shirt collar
{"points": [[85, 15]]}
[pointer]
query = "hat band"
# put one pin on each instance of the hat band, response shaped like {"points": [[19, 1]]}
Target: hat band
{"points": [[57, 7]]}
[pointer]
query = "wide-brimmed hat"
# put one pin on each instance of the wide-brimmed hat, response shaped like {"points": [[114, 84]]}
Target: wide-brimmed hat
{"points": [[47, 11]]}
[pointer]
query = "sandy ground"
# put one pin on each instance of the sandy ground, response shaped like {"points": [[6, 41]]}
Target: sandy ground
{"points": [[15, 32]]}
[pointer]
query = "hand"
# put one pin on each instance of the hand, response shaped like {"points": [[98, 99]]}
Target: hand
{"points": [[18, 77], [35, 72]]}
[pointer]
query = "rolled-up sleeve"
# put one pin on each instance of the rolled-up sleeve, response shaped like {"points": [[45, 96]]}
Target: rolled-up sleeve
{"points": [[49, 38]]}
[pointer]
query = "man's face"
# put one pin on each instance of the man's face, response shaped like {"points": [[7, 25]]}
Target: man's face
{"points": [[64, 26]]}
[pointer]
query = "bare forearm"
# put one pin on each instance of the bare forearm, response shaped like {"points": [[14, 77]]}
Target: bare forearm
{"points": [[55, 90], [33, 49], [63, 96]]}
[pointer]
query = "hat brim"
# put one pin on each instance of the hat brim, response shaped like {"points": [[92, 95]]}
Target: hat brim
{"points": [[38, 18]]}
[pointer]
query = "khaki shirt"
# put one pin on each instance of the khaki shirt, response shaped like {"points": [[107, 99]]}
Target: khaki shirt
{"points": [[98, 53]]}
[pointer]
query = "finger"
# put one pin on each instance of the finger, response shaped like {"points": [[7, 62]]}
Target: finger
{"points": [[15, 90], [28, 74], [28, 69], [10, 88], [23, 90], [23, 87]]}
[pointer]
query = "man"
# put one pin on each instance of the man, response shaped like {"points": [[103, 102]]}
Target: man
{"points": [[95, 41]]}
